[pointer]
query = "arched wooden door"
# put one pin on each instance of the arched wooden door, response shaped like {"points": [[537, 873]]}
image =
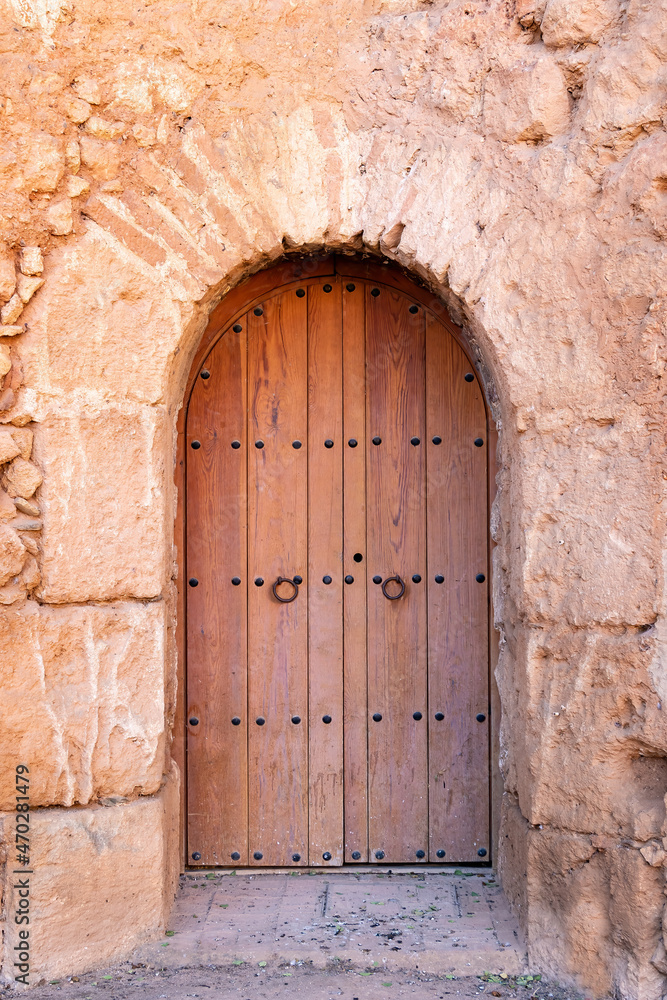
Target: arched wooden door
{"points": [[337, 598]]}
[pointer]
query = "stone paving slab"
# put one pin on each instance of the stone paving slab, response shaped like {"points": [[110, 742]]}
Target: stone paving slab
{"points": [[433, 921]]}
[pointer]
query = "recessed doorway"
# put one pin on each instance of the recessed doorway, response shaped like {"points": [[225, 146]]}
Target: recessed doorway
{"points": [[336, 581]]}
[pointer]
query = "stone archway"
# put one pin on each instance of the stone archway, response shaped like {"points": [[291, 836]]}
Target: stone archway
{"points": [[218, 759]]}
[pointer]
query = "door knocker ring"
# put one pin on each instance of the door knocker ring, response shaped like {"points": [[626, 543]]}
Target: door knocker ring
{"points": [[393, 579], [285, 600]]}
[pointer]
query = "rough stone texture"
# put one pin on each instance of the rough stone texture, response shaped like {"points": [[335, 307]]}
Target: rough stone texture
{"points": [[106, 883], [105, 522], [83, 689], [512, 155]]}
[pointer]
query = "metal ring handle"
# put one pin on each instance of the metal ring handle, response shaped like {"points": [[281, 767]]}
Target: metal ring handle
{"points": [[395, 579], [285, 600]]}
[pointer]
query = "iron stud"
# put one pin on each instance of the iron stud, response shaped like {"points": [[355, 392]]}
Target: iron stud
{"points": [[416, 716], [258, 311], [260, 721], [352, 442], [377, 579], [420, 854], [235, 856], [469, 377], [205, 373], [258, 855], [296, 857], [237, 328], [480, 578], [298, 580], [356, 854], [236, 721], [326, 719], [194, 721], [326, 856], [478, 442], [296, 445], [439, 716], [375, 292], [480, 717], [259, 444], [328, 443], [300, 292], [236, 580], [296, 719], [482, 852], [236, 445], [326, 579], [195, 445], [196, 856], [416, 578], [415, 441], [377, 717], [259, 582], [440, 853], [439, 578], [326, 288], [193, 581], [437, 439], [358, 557], [351, 288], [377, 440], [379, 855], [413, 309], [349, 579]]}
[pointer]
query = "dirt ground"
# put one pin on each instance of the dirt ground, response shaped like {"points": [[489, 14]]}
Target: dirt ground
{"points": [[281, 982]]}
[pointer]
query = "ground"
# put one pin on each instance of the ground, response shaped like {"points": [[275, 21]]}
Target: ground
{"points": [[360, 933]]}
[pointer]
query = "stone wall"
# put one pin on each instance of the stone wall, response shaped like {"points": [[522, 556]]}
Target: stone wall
{"points": [[511, 153]]}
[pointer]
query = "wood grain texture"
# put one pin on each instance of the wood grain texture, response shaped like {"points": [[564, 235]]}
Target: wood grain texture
{"points": [[216, 610], [397, 630], [277, 633], [325, 601], [402, 374], [458, 607], [354, 597]]}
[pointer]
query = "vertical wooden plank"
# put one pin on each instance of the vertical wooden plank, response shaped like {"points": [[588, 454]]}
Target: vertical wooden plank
{"points": [[354, 596], [216, 609], [277, 546], [458, 606], [496, 778], [397, 630], [325, 600], [178, 750]]}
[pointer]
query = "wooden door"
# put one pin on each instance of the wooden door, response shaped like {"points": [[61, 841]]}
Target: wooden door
{"points": [[337, 595]]}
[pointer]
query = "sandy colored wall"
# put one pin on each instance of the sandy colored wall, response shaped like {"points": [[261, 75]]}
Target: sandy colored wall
{"points": [[512, 154]]}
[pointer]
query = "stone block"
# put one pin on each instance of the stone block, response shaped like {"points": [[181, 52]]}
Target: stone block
{"points": [[526, 100], [83, 700], [577, 22], [595, 722], [59, 217], [104, 503], [12, 554], [7, 279], [80, 331], [106, 883], [11, 312], [101, 158], [31, 261], [26, 287], [21, 478], [9, 447]]}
